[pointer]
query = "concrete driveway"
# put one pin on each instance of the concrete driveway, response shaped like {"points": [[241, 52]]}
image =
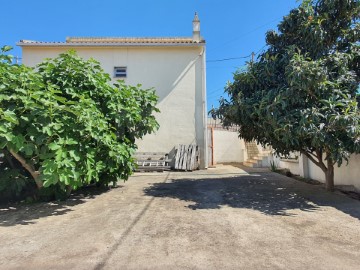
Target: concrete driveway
{"points": [[223, 218]]}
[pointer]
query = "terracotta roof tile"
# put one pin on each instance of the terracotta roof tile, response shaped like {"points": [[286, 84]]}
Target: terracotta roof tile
{"points": [[129, 40], [108, 41]]}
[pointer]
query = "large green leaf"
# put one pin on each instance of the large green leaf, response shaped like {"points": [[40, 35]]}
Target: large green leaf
{"points": [[68, 121]]}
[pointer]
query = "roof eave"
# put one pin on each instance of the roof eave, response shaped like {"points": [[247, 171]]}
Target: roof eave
{"points": [[96, 44]]}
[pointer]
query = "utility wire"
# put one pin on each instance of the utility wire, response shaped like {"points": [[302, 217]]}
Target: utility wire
{"points": [[247, 33], [227, 59], [235, 58], [215, 91], [216, 95], [260, 49], [222, 67]]}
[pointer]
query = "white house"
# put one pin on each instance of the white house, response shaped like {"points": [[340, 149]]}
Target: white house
{"points": [[175, 67]]}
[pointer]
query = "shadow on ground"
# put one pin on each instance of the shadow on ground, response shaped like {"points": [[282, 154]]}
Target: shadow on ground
{"points": [[26, 214], [269, 193]]}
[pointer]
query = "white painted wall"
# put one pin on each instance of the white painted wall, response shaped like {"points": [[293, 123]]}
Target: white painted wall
{"points": [[346, 174], [176, 75], [291, 165], [228, 147]]}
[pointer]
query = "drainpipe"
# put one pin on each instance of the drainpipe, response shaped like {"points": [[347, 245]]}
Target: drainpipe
{"points": [[212, 147], [203, 72]]}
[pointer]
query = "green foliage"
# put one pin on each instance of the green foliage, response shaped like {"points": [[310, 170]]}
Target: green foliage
{"points": [[273, 166], [12, 182], [301, 94], [69, 123], [51, 193]]}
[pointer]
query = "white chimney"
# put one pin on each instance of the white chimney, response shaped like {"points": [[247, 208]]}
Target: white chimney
{"points": [[196, 28]]}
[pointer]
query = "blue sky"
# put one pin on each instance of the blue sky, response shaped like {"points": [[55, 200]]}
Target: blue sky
{"points": [[232, 28]]}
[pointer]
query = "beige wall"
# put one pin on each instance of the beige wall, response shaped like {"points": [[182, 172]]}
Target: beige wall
{"points": [[346, 174], [174, 72], [228, 147], [291, 165]]}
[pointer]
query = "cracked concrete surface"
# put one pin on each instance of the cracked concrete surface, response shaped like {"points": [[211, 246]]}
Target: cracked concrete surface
{"points": [[222, 218]]}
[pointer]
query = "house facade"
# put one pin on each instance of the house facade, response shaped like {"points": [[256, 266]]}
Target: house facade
{"points": [[175, 67]]}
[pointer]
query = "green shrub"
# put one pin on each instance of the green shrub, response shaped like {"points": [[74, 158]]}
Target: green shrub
{"points": [[67, 125], [12, 182], [273, 166]]}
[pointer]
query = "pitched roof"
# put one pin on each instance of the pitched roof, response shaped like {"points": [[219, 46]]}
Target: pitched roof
{"points": [[117, 41]]}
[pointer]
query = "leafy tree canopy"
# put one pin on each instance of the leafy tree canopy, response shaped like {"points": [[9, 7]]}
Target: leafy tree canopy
{"points": [[67, 125], [301, 93]]}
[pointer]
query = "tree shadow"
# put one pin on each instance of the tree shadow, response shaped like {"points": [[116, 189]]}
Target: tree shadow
{"points": [[268, 193], [27, 214]]}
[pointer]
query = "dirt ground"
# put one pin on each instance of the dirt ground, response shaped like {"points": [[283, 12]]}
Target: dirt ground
{"points": [[222, 218]]}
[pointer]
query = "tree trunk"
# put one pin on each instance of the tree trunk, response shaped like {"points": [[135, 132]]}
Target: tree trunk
{"points": [[328, 170], [329, 176], [68, 190], [35, 174]]}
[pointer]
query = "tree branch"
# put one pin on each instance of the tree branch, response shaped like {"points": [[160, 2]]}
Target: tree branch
{"points": [[311, 153], [319, 154], [35, 174], [318, 163]]}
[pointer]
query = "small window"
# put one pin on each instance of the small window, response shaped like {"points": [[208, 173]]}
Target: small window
{"points": [[120, 72]]}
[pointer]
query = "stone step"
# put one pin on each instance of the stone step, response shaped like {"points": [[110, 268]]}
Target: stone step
{"points": [[253, 160], [262, 156], [257, 161], [251, 164], [248, 164]]}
